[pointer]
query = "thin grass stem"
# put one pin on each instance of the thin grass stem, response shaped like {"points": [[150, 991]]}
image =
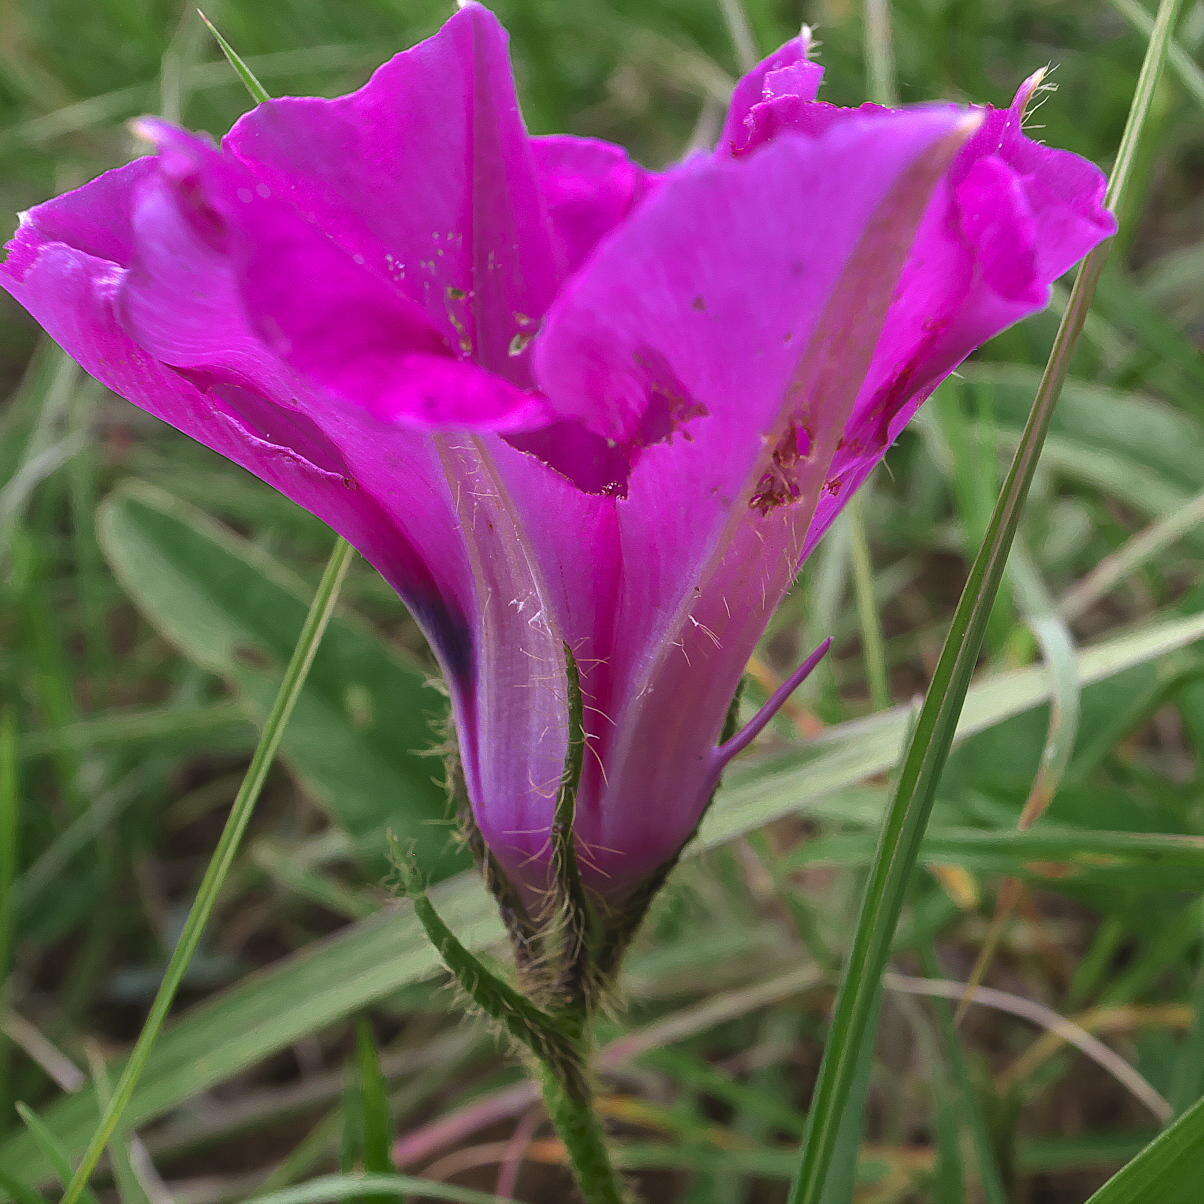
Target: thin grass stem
{"points": [[879, 54], [873, 643], [9, 813], [219, 865], [928, 749]]}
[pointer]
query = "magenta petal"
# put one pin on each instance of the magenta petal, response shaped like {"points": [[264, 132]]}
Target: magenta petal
{"points": [[512, 724], [588, 188], [213, 284], [750, 323], [798, 115], [692, 314], [1012, 217], [382, 489], [997, 225], [426, 509], [1065, 193], [426, 176], [95, 219], [355, 299], [788, 72]]}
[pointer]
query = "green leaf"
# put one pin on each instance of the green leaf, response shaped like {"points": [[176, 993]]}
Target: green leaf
{"points": [[367, 1125], [176, 728], [365, 962], [1167, 1171], [19, 1192], [366, 715], [1049, 855], [48, 1145], [1147, 431]]}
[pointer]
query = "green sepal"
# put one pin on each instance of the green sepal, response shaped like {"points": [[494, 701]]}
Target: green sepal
{"points": [[544, 1035], [623, 922], [526, 936], [574, 990]]}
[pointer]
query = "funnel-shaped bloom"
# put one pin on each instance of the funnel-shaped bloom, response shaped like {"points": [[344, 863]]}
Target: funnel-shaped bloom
{"points": [[559, 400]]}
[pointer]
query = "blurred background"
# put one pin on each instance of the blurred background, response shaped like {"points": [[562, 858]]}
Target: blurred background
{"points": [[150, 593]]}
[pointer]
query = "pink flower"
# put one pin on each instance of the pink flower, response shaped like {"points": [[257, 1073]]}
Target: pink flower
{"points": [[558, 399]]}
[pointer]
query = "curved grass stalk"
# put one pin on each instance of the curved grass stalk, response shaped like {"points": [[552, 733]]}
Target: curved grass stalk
{"points": [[219, 864], [241, 810], [928, 749]]}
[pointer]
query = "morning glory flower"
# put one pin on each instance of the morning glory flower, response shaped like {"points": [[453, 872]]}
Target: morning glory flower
{"points": [[559, 400]]}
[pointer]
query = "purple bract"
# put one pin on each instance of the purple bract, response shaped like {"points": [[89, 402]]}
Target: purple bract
{"points": [[555, 398]]}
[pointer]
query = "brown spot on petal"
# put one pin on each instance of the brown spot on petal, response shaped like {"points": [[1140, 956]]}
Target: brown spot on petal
{"points": [[670, 405], [779, 484]]}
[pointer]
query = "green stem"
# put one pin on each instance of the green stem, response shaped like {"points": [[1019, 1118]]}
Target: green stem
{"points": [[559, 1044], [219, 865], [903, 829], [571, 1109], [873, 645], [879, 53]]}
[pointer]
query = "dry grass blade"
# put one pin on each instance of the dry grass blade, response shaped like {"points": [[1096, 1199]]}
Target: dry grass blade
{"points": [[1066, 1030]]}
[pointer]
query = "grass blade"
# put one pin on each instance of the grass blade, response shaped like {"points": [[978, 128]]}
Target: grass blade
{"points": [[359, 1187], [1115, 568], [966, 1107], [219, 865], [1167, 1170], [50, 1147], [911, 806], [879, 53], [367, 1125], [258, 92], [872, 642], [234, 610], [228, 843], [1184, 66], [9, 812], [1058, 653], [125, 1176], [351, 970]]}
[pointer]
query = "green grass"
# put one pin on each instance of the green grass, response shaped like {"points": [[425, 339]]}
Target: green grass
{"points": [[136, 699], [838, 1099]]}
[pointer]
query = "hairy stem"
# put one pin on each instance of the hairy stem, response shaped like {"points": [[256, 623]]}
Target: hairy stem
{"points": [[570, 1106], [558, 1043]]}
